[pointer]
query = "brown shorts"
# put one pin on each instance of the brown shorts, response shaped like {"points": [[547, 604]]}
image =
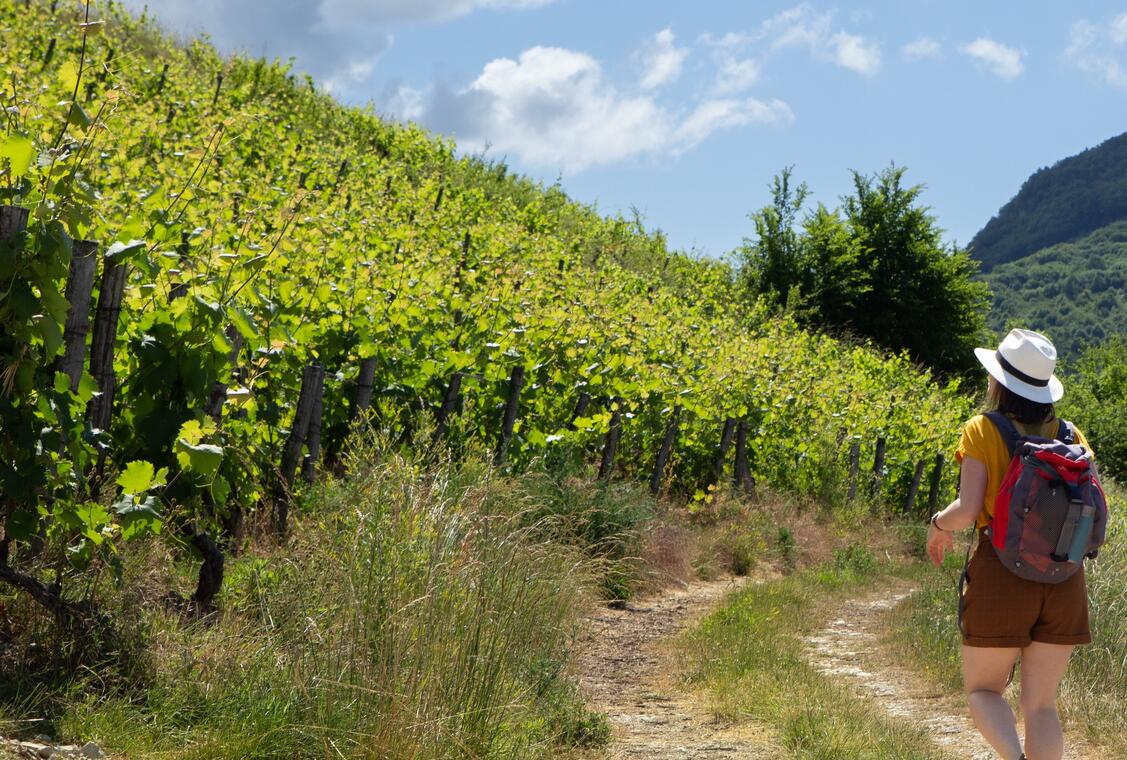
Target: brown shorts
{"points": [[1003, 610]]}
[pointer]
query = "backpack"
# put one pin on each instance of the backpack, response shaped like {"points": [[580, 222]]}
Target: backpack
{"points": [[1050, 512]]}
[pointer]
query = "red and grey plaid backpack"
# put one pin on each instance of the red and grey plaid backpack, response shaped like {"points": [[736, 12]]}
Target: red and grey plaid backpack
{"points": [[1050, 512]]}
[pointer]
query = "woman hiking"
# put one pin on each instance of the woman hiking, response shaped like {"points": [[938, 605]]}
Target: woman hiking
{"points": [[1005, 617]]}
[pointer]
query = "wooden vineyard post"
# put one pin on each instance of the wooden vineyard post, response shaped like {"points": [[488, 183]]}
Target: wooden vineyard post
{"points": [[725, 443], [50, 52], [218, 85], [218, 396], [742, 477], [100, 409], [80, 286], [914, 489], [878, 467], [606, 466], [313, 442], [449, 404], [13, 223], [459, 274], [854, 467], [512, 408], [666, 450], [163, 76], [933, 491], [581, 405], [365, 386], [211, 573], [180, 289], [311, 379]]}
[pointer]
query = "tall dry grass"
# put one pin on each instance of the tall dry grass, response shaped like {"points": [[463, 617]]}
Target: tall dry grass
{"points": [[417, 612]]}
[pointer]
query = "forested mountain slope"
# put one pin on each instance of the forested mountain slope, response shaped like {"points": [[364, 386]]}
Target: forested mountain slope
{"points": [[1074, 292], [1064, 202]]}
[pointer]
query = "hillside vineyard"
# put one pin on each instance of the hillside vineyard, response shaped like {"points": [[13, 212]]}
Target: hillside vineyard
{"points": [[265, 270]]}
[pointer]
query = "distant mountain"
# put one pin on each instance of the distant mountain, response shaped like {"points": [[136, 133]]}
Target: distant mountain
{"points": [[1063, 202], [1076, 292]]}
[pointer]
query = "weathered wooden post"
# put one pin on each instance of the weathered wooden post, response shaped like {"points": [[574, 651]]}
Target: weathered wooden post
{"points": [[446, 410], [854, 467], [365, 387], [742, 477], [100, 409], [910, 502], [218, 397], [933, 491], [665, 451], [438, 199], [210, 578], [313, 442], [512, 407], [312, 378], [160, 82], [13, 223], [80, 286], [878, 467], [218, 85], [459, 273], [50, 53], [725, 443], [606, 467], [581, 405]]}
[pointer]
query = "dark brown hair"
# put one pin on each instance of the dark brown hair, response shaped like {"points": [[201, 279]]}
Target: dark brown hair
{"points": [[1002, 399]]}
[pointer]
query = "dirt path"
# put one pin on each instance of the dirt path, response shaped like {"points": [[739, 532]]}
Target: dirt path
{"points": [[849, 648], [626, 672]]}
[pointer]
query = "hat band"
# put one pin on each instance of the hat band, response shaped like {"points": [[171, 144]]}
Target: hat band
{"points": [[1011, 369]]}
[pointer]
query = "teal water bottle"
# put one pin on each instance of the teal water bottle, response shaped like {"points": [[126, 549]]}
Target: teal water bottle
{"points": [[1082, 534]]}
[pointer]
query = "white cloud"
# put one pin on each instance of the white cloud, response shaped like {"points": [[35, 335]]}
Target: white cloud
{"points": [[918, 50], [338, 42], [662, 60], [1003, 61], [855, 53], [740, 58], [714, 115], [1118, 30], [805, 27], [555, 108], [737, 75], [1099, 51], [735, 71]]}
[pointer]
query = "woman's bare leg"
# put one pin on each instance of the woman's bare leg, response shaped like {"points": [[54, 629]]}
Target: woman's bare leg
{"points": [[1042, 667], [985, 672]]}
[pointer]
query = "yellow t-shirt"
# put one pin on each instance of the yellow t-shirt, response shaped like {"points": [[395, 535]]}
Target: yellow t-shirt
{"points": [[982, 441]]}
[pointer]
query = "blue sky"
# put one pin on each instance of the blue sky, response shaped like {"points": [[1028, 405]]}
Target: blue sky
{"points": [[685, 110]]}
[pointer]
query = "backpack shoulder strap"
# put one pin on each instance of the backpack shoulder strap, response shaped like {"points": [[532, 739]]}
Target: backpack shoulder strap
{"points": [[1066, 434], [1006, 427]]}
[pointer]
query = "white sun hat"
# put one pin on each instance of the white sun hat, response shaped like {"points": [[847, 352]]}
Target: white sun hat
{"points": [[1024, 363]]}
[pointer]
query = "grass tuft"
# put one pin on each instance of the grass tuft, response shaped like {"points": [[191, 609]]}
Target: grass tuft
{"points": [[747, 657]]}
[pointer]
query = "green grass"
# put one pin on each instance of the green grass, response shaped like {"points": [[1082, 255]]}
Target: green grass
{"points": [[1093, 695], [418, 612], [747, 657]]}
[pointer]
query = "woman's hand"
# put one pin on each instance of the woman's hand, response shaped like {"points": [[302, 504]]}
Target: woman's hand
{"points": [[939, 542]]}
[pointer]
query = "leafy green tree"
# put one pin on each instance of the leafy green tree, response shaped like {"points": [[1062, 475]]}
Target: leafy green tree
{"points": [[876, 267], [922, 297], [775, 267], [838, 282], [1096, 400]]}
